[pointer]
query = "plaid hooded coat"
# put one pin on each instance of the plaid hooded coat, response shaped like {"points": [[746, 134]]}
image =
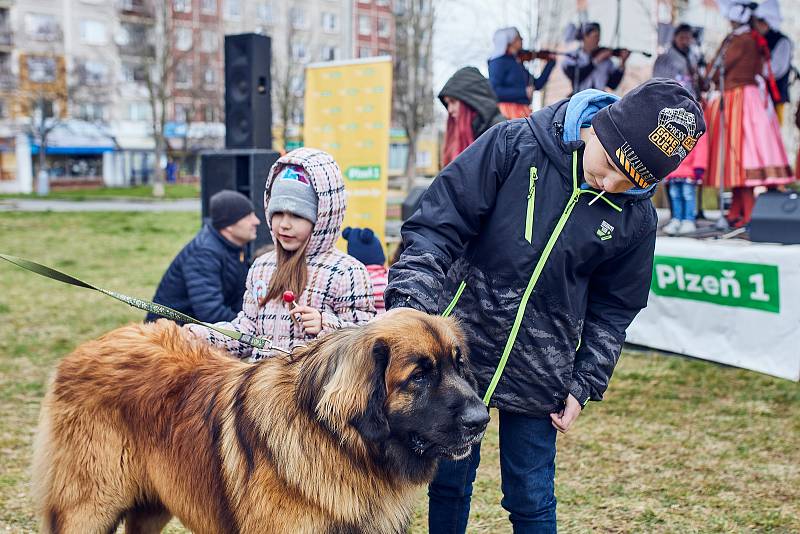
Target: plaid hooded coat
{"points": [[338, 284]]}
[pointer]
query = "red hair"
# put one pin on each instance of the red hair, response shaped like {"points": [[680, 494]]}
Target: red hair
{"points": [[458, 134]]}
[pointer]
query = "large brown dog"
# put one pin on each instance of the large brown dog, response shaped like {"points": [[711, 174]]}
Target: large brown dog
{"points": [[147, 422]]}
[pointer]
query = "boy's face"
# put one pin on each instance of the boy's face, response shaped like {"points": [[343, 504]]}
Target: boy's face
{"points": [[598, 169]]}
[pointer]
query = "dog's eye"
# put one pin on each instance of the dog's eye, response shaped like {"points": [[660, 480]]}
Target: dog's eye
{"points": [[418, 377]]}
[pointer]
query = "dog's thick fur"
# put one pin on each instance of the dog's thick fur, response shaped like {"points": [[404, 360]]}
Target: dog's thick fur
{"points": [[148, 422]]}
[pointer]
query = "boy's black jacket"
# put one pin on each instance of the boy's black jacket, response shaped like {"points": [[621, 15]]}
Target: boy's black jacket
{"points": [[471, 227]]}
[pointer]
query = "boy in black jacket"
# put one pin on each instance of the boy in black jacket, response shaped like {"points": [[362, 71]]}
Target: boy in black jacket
{"points": [[544, 283]]}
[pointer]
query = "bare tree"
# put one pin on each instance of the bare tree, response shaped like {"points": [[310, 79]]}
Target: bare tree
{"points": [[42, 98], [413, 74], [159, 82], [287, 97]]}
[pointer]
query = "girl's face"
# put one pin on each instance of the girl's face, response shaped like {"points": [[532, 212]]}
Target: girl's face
{"points": [[514, 46], [453, 106], [598, 169], [291, 231]]}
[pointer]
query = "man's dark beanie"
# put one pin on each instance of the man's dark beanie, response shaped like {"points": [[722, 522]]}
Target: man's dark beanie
{"points": [[228, 207], [650, 130]]}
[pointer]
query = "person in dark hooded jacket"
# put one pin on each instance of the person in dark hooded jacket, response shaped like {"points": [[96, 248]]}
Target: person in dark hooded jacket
{"points": [[539, 239], [471, 107]]}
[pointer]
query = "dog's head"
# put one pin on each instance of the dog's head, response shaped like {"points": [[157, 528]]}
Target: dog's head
{"points": [[402, 385]]}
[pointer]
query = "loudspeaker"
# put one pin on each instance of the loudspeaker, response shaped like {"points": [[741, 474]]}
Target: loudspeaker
{"points": [[248, 111], [244, 171], [776, 218], [412, 201]]}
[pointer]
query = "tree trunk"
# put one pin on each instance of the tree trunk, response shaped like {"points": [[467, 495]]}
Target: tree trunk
{"points": [[411, 162], [158, 175], [42, 177]]}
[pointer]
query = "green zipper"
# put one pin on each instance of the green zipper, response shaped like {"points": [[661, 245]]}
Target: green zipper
{"points": [[537, 271], [531, 205], [447, 311]]}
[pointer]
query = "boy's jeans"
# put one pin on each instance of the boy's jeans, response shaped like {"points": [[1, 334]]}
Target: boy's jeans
{"points": [[527, 468], [683, 195]]}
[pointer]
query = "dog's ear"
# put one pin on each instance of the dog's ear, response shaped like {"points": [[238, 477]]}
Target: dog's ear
{"points": [[372, 424]]}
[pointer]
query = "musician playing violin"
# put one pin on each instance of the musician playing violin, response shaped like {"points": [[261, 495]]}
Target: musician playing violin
{"points": [[511, 81], [591, 66]]}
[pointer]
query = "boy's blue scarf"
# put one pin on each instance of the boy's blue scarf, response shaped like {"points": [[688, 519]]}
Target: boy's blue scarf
{"points": [[580, 110]]}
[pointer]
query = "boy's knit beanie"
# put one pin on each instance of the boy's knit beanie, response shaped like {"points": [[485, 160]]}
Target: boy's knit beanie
{"points": [[650, 130]]}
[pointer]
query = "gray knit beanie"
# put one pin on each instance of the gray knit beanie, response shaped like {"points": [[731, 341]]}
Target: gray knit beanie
{"points": [[292, 192]]}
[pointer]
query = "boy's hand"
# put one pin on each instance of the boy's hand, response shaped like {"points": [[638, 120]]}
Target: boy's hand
{"points": [[310, 319], [563, 420]]}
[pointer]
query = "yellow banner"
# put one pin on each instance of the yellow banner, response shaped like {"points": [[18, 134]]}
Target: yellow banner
{"points": [[348, 113]]}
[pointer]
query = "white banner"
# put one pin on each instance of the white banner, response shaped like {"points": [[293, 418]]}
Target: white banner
{"points": [[732, 302]]}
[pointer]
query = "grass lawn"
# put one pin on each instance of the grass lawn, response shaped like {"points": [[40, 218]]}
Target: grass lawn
{"points": [[137, 192], [677, 446]]}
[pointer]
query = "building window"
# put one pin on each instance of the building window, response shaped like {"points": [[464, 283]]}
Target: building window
{"points": [[233, 9], [182, 112], [382, 52], [299, 51], [264, 12], [209, 41], [93, 72], [330, 23], [139, 111], [382, 3], [93, 32], [364, 51], [41, 69], [364, 25], [133, 72], [297, 84], [210, 76], [42, 27], [297, 16], [364, 1], [209, 113], [384, 28], [182, 6], [183, 39], [183, 74], [91, 112], [209, 7], [329, 53]]}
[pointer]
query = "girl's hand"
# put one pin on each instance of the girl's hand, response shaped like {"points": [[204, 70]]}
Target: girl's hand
{"points": [[310, 319]]}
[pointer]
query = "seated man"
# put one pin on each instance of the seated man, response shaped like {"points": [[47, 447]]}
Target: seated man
{"points": [[206, 280]]}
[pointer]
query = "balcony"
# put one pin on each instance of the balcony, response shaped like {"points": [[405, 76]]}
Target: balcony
{"points": [[136, 11], [137, 49]]}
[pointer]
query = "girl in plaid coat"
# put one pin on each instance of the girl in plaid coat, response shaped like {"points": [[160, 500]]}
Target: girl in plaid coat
{"points": [[305, 203]]}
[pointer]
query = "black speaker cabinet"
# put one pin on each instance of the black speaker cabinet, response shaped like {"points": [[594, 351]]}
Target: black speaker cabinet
{"points": [[776, 218], [244, 171], [248, 110]]}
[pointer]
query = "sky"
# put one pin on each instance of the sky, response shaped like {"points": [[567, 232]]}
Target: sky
{"points": [[463, 32]]}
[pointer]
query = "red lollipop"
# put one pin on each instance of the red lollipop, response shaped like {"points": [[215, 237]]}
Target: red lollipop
{"points": [[288, 297]]}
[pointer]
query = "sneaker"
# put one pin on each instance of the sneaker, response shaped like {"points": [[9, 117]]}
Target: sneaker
{"points": [[687, 227], [672, 227]]}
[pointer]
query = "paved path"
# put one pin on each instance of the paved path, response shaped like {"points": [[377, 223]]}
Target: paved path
{"points": [[99, 205]]}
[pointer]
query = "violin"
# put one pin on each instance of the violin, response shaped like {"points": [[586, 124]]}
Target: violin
{"points": [[530, 55], [617, 52]]}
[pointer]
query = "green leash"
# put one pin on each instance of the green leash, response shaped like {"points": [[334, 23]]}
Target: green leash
{"points": [[158, 309]]}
